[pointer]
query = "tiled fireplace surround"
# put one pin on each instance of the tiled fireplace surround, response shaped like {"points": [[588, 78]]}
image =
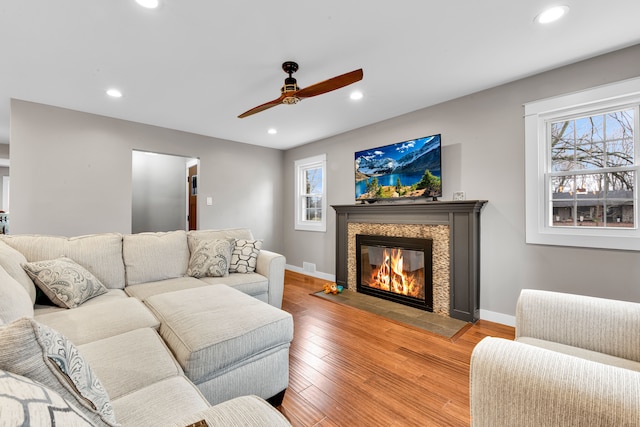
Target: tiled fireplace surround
{"points": [[454, 228]]}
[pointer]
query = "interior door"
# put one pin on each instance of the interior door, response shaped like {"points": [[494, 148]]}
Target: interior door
{"points": [[192, 190]]}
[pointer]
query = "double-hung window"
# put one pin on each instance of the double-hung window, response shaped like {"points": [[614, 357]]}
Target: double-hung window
{"points": [[310, 194], [582, 161]]}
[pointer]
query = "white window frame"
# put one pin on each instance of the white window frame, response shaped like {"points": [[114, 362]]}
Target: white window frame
{"points": [[319, 161], [537, 157]]}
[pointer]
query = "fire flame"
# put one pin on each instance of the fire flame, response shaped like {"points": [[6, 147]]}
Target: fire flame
{"points": [[389, 276]]}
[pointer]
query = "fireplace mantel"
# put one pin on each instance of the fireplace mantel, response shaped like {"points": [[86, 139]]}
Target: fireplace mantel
{"points": [[463, 221]]}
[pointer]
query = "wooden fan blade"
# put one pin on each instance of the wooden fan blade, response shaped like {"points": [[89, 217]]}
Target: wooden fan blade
{"points": [[330, 84], [262, 107]]}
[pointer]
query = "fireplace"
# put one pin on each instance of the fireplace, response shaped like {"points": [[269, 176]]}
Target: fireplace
{"points": [[454, 228], [398, 269]]}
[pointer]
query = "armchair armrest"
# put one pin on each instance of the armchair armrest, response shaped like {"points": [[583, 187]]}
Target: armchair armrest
{"points": [[515, 384], [271, 265], [596, 324]]}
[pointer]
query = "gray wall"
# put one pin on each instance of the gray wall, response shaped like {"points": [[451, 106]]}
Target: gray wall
{"points": [[71, 174], [483, 155], [159, 192]]}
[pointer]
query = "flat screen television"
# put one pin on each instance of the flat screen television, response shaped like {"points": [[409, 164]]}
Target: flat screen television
{"points": [[407, 169]]}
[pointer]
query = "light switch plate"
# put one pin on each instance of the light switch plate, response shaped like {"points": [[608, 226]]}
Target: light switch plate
{"points": [[209, 201], [458, 195]]}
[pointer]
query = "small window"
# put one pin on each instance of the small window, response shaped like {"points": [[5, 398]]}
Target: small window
{"points": [[582, 168], [311, 200]]}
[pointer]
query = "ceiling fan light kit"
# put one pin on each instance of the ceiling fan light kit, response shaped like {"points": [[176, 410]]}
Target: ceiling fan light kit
{"points": [[292, 94]]}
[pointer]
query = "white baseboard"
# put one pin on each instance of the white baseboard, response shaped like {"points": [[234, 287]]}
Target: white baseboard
{"points": [[317, 274], [496, 317]]}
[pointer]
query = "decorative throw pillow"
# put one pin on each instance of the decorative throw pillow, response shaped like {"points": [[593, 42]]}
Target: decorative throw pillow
{"points": [[65, 282], [43, 355], [27, 403], [210, 258], [244, 256]]}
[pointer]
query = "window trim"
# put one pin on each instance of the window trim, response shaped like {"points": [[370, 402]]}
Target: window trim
{"points": [[300, 166], [537, 114]]}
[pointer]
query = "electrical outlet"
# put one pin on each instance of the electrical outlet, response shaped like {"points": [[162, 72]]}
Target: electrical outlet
{"points": [[458, 195]]}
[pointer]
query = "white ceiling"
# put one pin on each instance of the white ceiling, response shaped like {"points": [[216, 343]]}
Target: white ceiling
{"points": [[194, 65]]}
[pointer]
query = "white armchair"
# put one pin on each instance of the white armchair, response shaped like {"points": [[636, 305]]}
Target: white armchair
{"points": [[575, 362]]}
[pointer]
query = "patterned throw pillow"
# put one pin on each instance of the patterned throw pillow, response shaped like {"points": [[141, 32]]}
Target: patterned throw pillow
{"points": [[244, 256], [210, 258], [27, 403], [65, 282], [43, 355]]}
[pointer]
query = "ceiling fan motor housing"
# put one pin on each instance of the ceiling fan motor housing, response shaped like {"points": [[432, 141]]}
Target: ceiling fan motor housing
{"points": [[290, 85]]}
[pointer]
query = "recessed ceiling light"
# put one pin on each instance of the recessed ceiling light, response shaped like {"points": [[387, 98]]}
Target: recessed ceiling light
{"points": [[552, 14], [149, 4], [272, 131], [114, 93], [355, 95]]}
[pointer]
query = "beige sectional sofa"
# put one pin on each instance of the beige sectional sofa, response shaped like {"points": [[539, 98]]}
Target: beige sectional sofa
{"points": [[575, 362], [165, 340]]}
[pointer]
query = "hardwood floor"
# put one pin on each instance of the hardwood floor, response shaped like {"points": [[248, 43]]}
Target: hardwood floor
{"points": [[353, 368]]}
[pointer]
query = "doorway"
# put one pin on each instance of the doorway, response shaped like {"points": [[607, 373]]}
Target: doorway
{"points": [[160, 200], [192, 195]]}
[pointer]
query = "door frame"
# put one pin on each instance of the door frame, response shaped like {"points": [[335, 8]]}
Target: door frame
{"points": [[188, 165]]}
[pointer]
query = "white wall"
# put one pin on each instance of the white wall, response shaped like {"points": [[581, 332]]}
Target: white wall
{"points": [[71, 174], [483, 155]]}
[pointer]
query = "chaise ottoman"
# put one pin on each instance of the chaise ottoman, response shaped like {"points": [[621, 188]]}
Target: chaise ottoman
{"points": [[228, 343]]}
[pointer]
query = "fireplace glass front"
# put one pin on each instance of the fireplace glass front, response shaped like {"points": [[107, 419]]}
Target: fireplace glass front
{"points": [[396, 268]]}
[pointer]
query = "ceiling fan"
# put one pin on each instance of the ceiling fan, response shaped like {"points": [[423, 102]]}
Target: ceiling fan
{"points": [[291, 93]]}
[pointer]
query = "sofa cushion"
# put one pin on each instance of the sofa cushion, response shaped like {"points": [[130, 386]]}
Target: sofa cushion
{"points": [[244, 256], [245, 411], [46, 356], [150, 257], [110, 295], [101, 254], [27, 403], [159, 404], [193, 236], [210, 258], [130, 361], [65, 282], [11, 261], [252, 284], [14, 299], [89, 323], [244, 328], [146, 290]]}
